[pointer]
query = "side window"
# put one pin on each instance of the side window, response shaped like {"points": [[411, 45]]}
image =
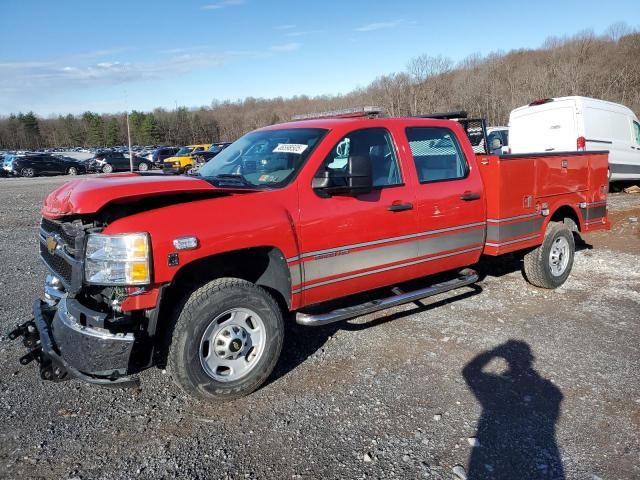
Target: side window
{"points": [[636, 130], [374, 143], [436, 153], [199, 149]]}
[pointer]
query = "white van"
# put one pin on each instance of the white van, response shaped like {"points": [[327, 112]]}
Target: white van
{"points": [[501, 133], [568, 124]]}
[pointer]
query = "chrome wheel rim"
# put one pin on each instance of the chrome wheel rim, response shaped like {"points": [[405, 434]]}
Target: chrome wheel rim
{"points": [[73, 171], [143, 167], [27, 172], [559, 256], [107, 169], [232, 344]]}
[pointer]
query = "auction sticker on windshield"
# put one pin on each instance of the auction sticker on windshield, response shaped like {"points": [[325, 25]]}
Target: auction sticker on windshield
{"points": [[290, 148]]}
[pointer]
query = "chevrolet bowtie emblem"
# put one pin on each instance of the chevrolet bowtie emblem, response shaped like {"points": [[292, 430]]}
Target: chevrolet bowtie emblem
{"points": [[51, 245]]}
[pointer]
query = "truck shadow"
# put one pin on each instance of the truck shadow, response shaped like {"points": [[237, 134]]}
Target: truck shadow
{"points": [[512, 262], [302, 342], [516, 430]]}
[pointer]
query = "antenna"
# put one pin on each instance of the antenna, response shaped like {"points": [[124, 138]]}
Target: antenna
{"points": [[126, 99]]}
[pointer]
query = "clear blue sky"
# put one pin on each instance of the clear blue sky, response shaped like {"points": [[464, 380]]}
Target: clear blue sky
{"points": [[106, 56]]}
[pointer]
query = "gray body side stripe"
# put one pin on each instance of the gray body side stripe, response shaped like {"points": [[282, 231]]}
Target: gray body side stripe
{"points": [[510, 230], [384, 269], [593, 212], [296, 274], [512, 241], [391, 239], [507, 219], [359, 260]]}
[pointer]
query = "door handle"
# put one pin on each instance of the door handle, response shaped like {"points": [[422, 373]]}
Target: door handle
{"points": [[399, 207], [469, 196]]}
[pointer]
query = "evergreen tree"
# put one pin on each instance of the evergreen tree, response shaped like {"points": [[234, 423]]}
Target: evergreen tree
{"points": [[112, 135], [150, 130]]}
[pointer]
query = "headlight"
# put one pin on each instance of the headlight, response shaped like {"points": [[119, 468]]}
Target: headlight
{"points": [[117, 259]]}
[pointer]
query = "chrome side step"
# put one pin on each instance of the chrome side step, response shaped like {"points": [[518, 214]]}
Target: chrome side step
{"points": [[465, 277]]}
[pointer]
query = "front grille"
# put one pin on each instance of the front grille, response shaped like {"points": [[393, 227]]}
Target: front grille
{"points": [[59, 265], [51, 226], [64, 262]]}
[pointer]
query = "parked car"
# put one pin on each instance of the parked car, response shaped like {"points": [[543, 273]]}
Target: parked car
{"points": [[160, 154], [579, 123], [182, 161], [108, 162], [32, 165], [200, 273], [200, 158]]}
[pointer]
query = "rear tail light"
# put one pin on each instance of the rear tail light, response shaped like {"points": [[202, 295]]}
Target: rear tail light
{"points": [[540, 101], [581, 144]]}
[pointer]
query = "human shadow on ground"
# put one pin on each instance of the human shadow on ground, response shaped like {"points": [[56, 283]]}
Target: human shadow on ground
{"points": [[516, 430]]}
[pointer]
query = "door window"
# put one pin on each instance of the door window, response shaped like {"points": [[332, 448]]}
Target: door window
{"points": [[636, 130], [374, 143], [437, 154]]}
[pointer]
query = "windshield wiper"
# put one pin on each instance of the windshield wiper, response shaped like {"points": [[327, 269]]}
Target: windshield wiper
{"points": [[232, 179]]}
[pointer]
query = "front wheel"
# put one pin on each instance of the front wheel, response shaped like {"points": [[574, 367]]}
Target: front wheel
{"points": [[27, 172], [143, 167], [106, 168], [72, 171], [226, 340], [549, 265]]}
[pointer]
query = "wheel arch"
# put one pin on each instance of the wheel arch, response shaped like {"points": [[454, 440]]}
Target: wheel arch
{"points": [[568, 215], [265, 266]]}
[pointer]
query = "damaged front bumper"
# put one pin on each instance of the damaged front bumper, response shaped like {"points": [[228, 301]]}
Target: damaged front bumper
{"points": [[61, 338]]}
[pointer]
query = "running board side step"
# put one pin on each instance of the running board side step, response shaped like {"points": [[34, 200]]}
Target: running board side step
{"points": [[465, 277]]}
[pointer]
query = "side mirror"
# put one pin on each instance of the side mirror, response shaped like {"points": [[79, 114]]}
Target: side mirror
{"points": [[355, 180]]}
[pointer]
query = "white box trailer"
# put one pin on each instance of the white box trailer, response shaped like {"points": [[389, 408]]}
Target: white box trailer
{"points": [[567, 124]]}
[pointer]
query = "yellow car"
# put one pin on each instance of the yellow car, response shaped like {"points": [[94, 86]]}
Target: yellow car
{"points": [[182, 161]]}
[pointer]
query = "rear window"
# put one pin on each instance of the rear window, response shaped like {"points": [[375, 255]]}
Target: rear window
{"points": [[436, 154]]}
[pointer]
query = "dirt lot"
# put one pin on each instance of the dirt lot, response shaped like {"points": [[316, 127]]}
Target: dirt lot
{"points": [[501, 381]]}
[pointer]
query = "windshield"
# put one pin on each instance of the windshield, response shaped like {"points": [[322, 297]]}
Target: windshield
{"points": [[184, 151], [268, 158]]}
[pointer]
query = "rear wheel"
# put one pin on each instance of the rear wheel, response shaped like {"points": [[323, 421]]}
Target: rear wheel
{"points": [[106, 168], [143, 167], [27, 172], [226, 340], [549, 265]]}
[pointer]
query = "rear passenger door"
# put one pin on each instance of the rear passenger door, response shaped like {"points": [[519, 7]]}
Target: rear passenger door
{"points": [[449, 198]]}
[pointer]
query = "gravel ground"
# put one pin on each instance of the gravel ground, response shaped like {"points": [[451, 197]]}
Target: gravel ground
{"points": [[371, 398]]}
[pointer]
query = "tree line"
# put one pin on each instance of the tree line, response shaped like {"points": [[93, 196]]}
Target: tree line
{"points": [[600, 66]]}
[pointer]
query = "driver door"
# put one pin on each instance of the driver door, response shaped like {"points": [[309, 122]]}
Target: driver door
{"points": [[351, 244]]}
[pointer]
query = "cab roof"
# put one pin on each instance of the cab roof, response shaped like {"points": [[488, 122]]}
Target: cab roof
{"points": [[333, 123]]}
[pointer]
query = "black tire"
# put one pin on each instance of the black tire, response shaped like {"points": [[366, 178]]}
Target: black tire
{"points": [[27, 173], [538, 264], [199, 311], [107, 168]]}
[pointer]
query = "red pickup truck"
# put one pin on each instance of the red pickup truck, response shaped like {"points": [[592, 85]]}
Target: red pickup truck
{"points": [[199, 273]]}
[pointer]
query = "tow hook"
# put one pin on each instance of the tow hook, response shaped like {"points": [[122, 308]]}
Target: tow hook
{"points": [[31, 339], [29, 331]]}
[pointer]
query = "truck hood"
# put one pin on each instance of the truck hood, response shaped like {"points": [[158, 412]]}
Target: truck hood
{"points": [[88, 195]]}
